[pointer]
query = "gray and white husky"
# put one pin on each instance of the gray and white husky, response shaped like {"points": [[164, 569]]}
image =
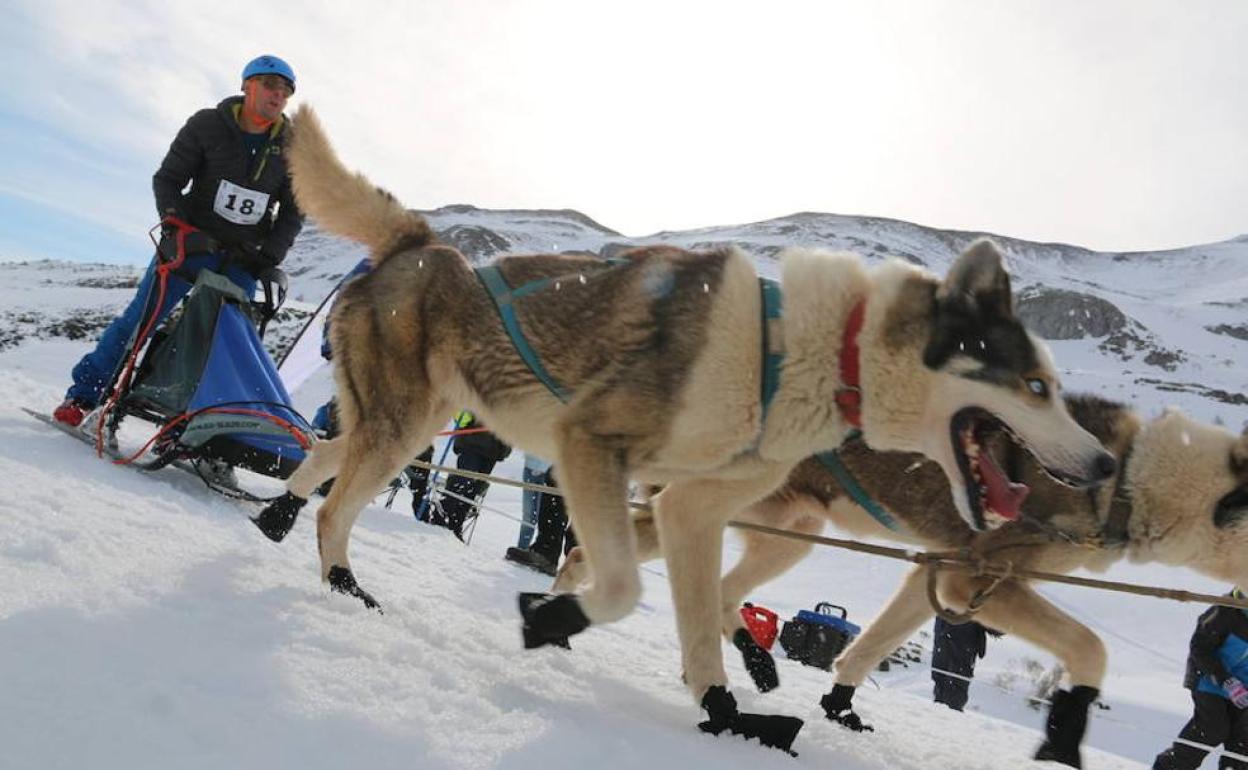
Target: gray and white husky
{"points": [[659, 362]]}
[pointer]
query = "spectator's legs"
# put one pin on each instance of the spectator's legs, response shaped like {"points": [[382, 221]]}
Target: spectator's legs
{"points": [[554, 536], [552, 523], [529, 504], [418, 478], [1210, 724], [1237, 740], [454, 510], [950, 690], [953, 652]]}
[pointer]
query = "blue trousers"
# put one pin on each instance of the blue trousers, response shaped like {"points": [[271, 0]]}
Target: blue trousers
{"points": [[534, 473], [530, 502], [95, 371]]}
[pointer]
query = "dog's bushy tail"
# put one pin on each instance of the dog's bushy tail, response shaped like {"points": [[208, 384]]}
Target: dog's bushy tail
{"points": [[346, 203]]}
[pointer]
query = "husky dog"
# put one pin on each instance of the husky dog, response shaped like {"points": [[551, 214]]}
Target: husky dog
{"points": [[652, 369], [1180, 497]]}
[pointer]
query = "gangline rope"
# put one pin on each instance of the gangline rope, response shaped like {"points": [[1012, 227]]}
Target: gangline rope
{"points": [[954, 560]]}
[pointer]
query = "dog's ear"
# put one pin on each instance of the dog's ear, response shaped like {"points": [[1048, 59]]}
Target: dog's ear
{"points": [[974, 295], [1233, 507], [1239, 455], [977, 283]]}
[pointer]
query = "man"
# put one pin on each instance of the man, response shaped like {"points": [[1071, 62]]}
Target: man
{"points": [[1217, 667], [240, 201]]}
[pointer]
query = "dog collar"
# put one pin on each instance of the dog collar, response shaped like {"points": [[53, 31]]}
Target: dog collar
{"points": [[773, 340], [1118, 518], [849, 396]]}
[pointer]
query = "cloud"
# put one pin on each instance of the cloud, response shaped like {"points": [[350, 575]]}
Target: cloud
{"points": [[1113, 125]]}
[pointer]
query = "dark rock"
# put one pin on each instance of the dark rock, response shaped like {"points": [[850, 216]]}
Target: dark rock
{"points": [[1165, 359], [1217, 394], [109, 282], [1060, 314], [477, 243], [1238, 332], [614, 249]]}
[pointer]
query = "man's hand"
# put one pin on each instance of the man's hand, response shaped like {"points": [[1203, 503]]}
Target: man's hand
{"points": [[1236, 691], [195, 242], [250, 258]]}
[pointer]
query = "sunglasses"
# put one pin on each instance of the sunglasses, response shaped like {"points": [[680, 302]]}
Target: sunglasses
{"points": [[276, 83]]}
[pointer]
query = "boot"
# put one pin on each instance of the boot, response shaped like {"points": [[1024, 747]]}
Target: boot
{"points": [[71, 412], [838, 705], [216, 472], [278, 517], [774, 731], [1068, 721], [531, 558], [758, 662], [552, 521]]}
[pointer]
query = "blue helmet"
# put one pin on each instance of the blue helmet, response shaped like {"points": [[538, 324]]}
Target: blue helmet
{"points": [[269, 65]]}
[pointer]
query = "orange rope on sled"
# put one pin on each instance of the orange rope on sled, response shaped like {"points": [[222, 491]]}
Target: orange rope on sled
{"points": [[163, 269], [304, 442]]}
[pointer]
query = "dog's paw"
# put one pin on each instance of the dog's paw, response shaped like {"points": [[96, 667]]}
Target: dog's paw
{"points": [[852, 721], [550, 619], [342, 581], [758, 662], [838, 706], [773, 731], [278, 517]]}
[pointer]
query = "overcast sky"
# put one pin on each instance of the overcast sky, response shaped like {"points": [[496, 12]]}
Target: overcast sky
{"points": [[1112, 124]]}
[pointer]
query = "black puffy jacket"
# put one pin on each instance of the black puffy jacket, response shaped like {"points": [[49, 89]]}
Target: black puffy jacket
{"points": [[235, 200], [1212, 628], [484, 444]]}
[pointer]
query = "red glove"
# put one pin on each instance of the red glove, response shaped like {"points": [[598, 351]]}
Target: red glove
{"points": [[1236, 691]]}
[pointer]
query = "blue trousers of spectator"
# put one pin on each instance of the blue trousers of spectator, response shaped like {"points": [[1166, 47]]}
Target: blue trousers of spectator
{"points": [[529, 505], [95, 371], [531, 501]]}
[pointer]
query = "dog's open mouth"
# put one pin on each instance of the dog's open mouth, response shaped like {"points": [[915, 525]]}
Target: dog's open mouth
{"points": [[993, 497]]}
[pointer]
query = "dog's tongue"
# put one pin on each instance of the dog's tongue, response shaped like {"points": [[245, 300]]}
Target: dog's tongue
{"points": [[1003, 496]]}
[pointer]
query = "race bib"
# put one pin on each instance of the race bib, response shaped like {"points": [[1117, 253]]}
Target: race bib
{"points": [[240, 205]]}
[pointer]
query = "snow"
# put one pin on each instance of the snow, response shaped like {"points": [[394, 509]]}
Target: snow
{"points": [[144, 623]]}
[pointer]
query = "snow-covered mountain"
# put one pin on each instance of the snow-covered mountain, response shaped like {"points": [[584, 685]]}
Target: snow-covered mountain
{"points": [[1166, 327], [1157, 328], [145, 624]]}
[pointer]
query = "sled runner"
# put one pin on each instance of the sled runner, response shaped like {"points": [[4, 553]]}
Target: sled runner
{"points": [[193, 467]]}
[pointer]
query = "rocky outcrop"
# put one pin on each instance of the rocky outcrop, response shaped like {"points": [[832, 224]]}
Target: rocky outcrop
{"points": [[74, 324], [1060, 314], [1217, 394], [1239, 332], [1133, 340], [477, 243]]}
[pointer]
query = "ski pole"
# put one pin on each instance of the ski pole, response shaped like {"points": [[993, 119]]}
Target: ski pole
{"points": [[461, 420]]}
